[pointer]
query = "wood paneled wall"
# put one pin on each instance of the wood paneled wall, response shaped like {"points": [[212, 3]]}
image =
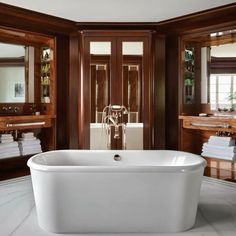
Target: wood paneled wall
{"points": [[166, 103], [172, 91]]}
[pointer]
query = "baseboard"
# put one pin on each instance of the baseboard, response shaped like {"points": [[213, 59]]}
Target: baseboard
{"points": [[15, 180], [219, 181]]}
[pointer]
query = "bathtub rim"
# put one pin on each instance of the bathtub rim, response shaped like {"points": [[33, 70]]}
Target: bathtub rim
{"points": [[110, 168]]}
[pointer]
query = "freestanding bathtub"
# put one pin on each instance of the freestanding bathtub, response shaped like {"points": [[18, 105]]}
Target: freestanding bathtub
{"points": [[84, 191]]}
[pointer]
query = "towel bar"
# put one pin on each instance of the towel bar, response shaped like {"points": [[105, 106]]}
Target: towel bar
{"points": [[224, 125], [26, 124]]}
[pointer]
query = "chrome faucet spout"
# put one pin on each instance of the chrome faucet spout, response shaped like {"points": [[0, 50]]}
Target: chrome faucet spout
{"points": [[111, 117]]}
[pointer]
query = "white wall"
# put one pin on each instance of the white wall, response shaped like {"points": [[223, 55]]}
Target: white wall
{"points": [[11, 50], [118, 10], [225, 50], [8, 77]]}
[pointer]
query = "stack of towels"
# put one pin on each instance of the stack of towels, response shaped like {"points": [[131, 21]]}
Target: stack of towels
{"points": [[8, 147], [29, 144], [220, 147]]}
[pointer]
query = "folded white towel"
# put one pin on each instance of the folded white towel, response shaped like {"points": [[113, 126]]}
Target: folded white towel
{"points": [[11, 154], [5, 138], [29, 147], [7, 141], [221, 152], [8, 145], [29, 134], [30, 152], [28, 139], [219, 138], [217, 147], [9, 151], [217, 155], [29, 143], [5, 135], [34, 145], [222, 143]]}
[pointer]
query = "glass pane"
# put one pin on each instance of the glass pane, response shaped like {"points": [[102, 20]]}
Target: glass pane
{"points": [[132, 80], [45, 74], [100, 48], [224, 88], [132, 93], [132, 48], [12, 74], [212, 88], [100, 54], [224, 79], [223, 98], [212, 79]]}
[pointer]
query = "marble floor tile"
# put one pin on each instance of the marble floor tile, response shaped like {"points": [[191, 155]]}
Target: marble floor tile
{"points": [[216, 214]]}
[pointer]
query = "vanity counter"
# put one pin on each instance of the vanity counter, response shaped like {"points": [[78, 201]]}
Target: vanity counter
{"points": [[26, 122]]}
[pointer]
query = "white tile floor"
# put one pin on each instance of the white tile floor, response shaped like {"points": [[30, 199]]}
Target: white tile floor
{"points": [[216, 212]]}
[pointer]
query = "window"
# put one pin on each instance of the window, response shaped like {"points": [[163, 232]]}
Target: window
{"points": [[222, 87]]}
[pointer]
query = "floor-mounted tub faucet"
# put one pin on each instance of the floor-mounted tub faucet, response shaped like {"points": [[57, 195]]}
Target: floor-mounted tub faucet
{"points": [[111, 116]]}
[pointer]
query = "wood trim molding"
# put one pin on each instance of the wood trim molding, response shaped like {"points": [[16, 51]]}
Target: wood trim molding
{"points": [[16, 17], [207, 20], [19, 61]]}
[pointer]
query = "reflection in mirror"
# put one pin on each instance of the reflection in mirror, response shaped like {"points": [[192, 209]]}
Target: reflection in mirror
{"points": [[132, 53], [189, 74], [16, 73], [100, 53], [219, 76], [111, 126], [132, 79]]}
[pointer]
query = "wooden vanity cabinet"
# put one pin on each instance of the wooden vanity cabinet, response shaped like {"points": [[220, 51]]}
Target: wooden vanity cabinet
{"points": [[195, 130], [37, 113]]}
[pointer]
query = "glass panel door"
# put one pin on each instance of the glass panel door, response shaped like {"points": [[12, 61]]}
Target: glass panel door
{"points": [[132, 66]]}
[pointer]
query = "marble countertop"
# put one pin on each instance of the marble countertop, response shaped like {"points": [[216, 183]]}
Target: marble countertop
{"points": [[216, 213]]}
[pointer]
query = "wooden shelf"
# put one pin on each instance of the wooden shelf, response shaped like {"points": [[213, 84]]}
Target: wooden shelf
{"points": [[189, 122]]}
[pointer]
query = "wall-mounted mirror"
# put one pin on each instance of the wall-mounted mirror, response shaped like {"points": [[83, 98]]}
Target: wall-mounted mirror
{"points": [[219, 76], [209, 71], [132, 53], [16, 73], [26, 73], [100, 53], [116, 94]]}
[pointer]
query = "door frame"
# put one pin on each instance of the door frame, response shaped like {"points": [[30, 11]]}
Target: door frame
{"points": [[116, 37]]}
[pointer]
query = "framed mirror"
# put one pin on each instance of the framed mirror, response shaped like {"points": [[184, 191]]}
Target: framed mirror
{"points": [[16, 73], [209, 71], [26, 73]]}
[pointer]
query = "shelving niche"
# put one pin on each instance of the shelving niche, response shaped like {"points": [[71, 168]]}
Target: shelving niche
{"points": [[37, 112]]}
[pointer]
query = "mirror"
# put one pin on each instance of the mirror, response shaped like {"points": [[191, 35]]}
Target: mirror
{"points": [[132, 53], [218, 76], [116, 94], [16, 73], [100, 54], [209, 71], [26, 73]]}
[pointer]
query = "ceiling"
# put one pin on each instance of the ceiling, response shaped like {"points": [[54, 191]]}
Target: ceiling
{"points": [[117, 10]]}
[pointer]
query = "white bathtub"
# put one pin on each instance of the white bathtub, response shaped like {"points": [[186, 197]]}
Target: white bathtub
{"points": [[84, 191]]}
